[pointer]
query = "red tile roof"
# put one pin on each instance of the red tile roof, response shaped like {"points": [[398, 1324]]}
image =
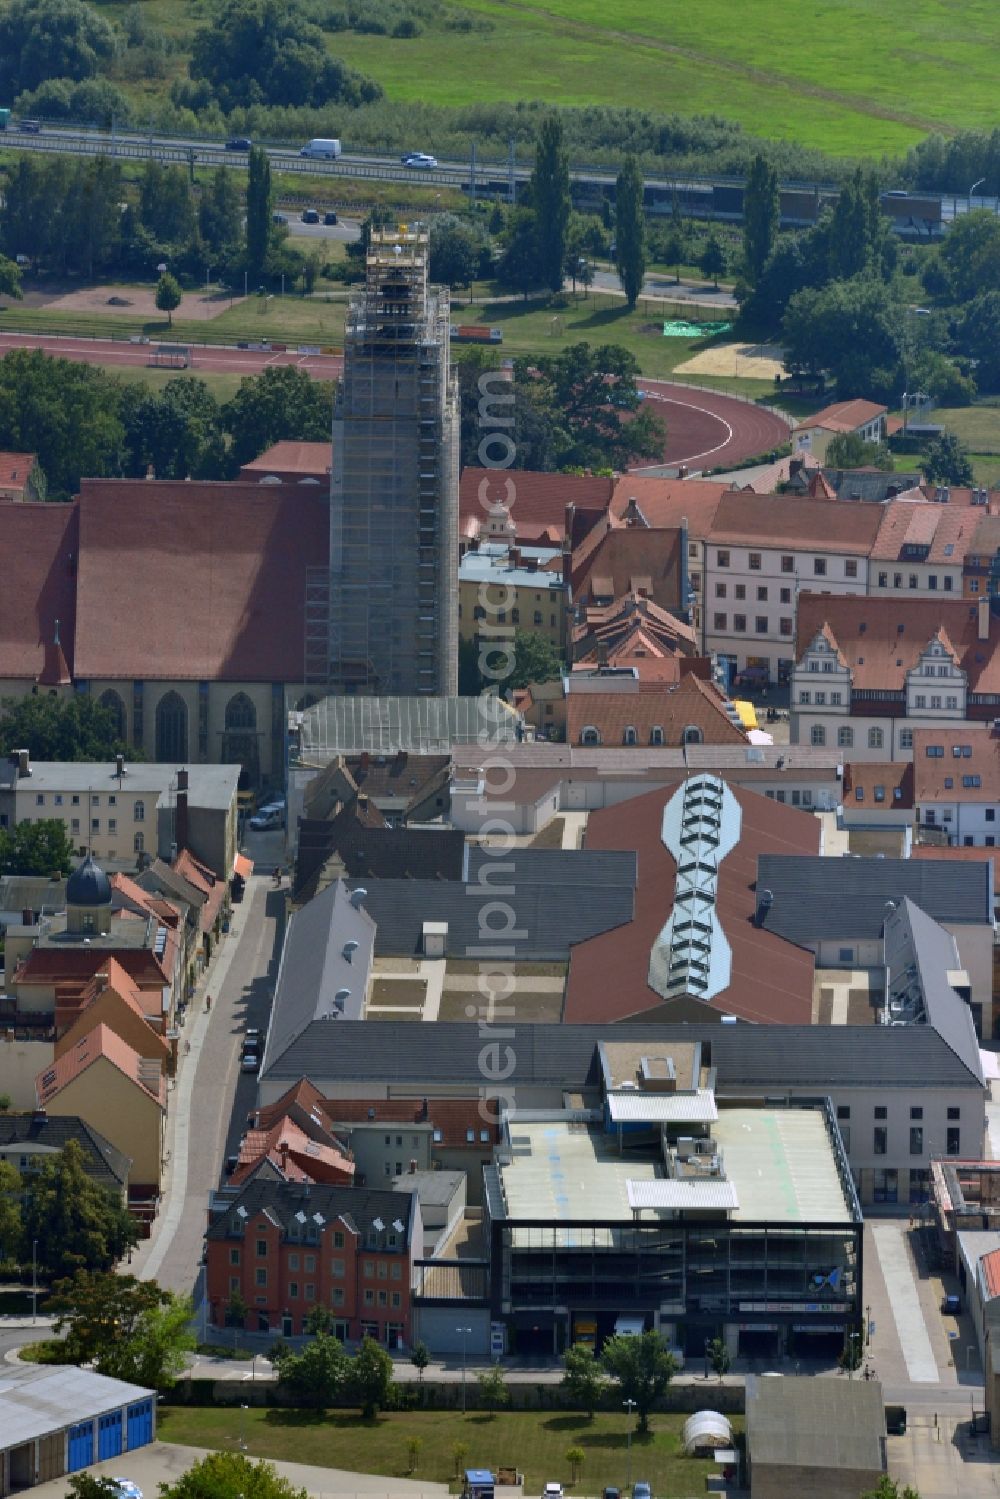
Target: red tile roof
{"points": [[843, 416], [76, 965], [743, 519], [203, 880], [691, 703], [15, 471], [38, 555], [891, 776], [908, 523], [882, 638], [293, 1154], [771, 979], [211, 578], [668, 502], [301, 460], [981, 758], [537, 501], [991, 1272], [631, 560], [101, 1044]]}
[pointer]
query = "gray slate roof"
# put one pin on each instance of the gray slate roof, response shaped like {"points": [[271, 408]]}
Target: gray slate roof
{"points": [[559, 897], [35, 1401], [283, 1200], [919, 954], [829, 1424], [385, 725], [768, 1057], [818, 899], [103, 1162], [314, 967]]}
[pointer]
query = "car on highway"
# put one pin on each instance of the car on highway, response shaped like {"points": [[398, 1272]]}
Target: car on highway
{"points": [[29, 127], [330, 218], [419, 159], [279, 218], [239, 143], [127, 1489], [310, 216]]}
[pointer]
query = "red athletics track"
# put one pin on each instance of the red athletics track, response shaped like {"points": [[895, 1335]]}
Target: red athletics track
{"points": [[711, 430], [205, 359]]}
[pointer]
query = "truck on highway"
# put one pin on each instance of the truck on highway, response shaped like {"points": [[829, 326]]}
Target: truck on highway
{"points": [[322, 148]]}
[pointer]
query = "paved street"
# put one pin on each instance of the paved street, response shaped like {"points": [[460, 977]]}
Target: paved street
{"points": [[207, 1085]]}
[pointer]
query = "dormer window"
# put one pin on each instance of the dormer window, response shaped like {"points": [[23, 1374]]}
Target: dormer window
{"points": [[630, 735]]}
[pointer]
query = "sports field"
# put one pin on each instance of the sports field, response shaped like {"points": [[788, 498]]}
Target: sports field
{"points": [[850, 77]]}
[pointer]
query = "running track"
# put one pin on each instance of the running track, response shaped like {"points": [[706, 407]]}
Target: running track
{"points": [[205, 359], [709, 430], [704, 429]]}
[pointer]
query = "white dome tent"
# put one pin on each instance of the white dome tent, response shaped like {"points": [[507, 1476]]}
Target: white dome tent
{"points": [[705, 1431]]}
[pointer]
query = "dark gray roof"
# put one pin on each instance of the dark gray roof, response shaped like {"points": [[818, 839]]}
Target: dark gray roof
{"points": [[315, 967], [558, 898], [919, 954], [769, 1057], [830, 1424], [88, 885], [284, 1200], [103, 1162], [818, 899]]}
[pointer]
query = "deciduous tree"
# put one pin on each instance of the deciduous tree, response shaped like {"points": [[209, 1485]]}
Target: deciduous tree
{"points": [[40, 848], [78, 1224], [713, 259], [848, 450], [260, 208], [11, 1188], [642, 1366], [41, 39], [493, 1388], [317, 1375], [168, 295], [584, 1379], [230, 1475], [54, 728], [370, 1378], [946, 461], [283, 402]]}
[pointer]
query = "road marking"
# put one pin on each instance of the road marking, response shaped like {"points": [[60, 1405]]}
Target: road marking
{"points": [[907, 1312]]}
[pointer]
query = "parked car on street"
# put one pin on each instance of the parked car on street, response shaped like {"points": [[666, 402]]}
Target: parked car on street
{"points": [[310, 216], [268, 817], [330, 217]]}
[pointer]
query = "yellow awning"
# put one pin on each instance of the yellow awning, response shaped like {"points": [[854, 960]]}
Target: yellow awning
{"points": [[748, 715]]}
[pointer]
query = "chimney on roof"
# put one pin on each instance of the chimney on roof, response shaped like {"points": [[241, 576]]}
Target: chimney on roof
{"points": [[27, 916], [413, 1166], [795, 467], [362, 801], [119, 766], [181, 813], [150, 471], [602, 654], [514, 556], [101, 979], [39, 1115], [358, 897], [765, 900], [984, 618], [568, 527], [23, 763]]}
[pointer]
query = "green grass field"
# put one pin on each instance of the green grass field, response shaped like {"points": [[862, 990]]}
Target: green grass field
{"points": [[848, 77], [534, 1441]]}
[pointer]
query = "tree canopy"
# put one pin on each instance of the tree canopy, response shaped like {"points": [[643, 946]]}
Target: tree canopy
{"points": [[282, 402], [230, 1475], [269, 52], [642, 1367], [548, 194], [126, 1328], [630, 230], [42, 39], [41, 847], [851, 329], [78, 1224], [58, 728]]}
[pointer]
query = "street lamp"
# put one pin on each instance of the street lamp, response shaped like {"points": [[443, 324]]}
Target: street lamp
{"points": [[465, 1331], [243, 1427], [852, 1343], [34, 1281], [708, 1345], [908, 396], [972, 189], [630, 1407]]}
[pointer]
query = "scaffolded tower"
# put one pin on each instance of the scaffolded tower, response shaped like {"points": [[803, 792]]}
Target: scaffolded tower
{"points": [[393, 585]]}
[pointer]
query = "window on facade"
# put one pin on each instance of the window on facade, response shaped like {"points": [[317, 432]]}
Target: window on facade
{"points": [[369, 1297], [234, 1256], [876, 738], [885, 1185], [817, 735], [260, 1277], [906, 738], [785, 595], [739, 623], [787, 564], [881, 1112], [261, 1248], [897, 580], [338, 1240], [138, 844], [754, 562], [845, 737], [954, 1141], [630, 736], [932, 580], [859, 793], [293, 1290], [880, 793], [719, 621], [740, 591], [760, 624], [913, 580], [821, 699], [720, 590], [656, 735], [879, 1140], [722, 559], [819, 567], [786, 625], [947, 583], [883, 580], [590, 735], [762, 595], [337, 1269], [954, 1113], [935, 700], [368, 1269], [805, 696], [171, 728], [850, 569], [916, 1139], [337, 1296]]}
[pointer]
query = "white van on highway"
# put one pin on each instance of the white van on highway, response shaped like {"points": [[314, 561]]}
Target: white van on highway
{"points": [[327, 150]]}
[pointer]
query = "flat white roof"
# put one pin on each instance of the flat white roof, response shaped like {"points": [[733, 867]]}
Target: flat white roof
{"points": [[663, 1108], [35, 1401], [697, 1192]]}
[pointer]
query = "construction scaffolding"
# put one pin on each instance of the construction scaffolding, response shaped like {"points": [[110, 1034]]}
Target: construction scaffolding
{"points": [[393, 594]]}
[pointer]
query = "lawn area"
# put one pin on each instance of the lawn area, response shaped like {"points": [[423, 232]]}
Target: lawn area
{"points": [[291, 319], [858, 79], [223, 387], [534, 1441], [977, 426]]}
